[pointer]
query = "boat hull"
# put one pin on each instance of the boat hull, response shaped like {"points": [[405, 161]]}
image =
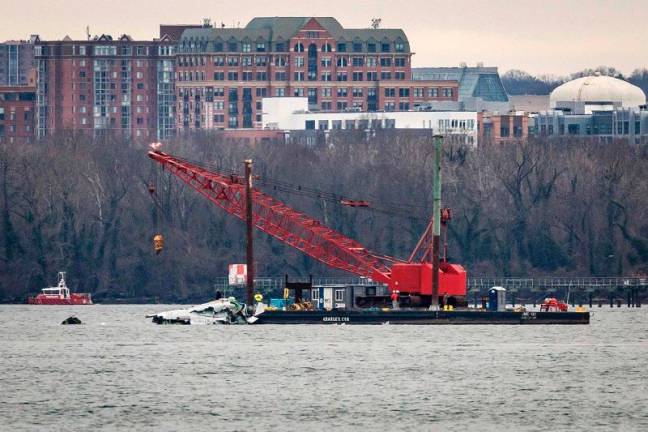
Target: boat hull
{"points": [[74, 299], [421, 317]]}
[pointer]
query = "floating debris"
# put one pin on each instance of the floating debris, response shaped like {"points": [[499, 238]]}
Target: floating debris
{"points": [[71, 320]]}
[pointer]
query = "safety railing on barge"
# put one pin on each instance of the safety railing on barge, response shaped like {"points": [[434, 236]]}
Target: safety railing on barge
{"points": [[475, 284]]}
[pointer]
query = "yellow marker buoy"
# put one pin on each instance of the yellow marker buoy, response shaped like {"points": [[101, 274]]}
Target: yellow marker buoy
{"points": [[258, 297]]}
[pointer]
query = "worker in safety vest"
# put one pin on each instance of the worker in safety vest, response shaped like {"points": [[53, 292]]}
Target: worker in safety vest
{"points": [[394, 298]]}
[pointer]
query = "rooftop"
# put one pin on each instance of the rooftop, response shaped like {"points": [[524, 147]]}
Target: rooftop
{"points": [[482, 82]]}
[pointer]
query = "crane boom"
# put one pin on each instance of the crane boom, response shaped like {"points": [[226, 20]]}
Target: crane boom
{"points": [[280, 221]]}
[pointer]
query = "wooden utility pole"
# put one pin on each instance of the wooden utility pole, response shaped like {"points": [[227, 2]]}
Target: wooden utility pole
{"points": [[249, 233]]}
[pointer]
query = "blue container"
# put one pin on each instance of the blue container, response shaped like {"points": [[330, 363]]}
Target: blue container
{"points": [[279, 303], [497, 299]]}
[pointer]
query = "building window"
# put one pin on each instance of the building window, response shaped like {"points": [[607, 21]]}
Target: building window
{"points": [[390, 106], [433, 92], [403, 92], [299, 76], [399, 46], [341, 105], [399, 75], [280, 47], [341, 47], [357, 47], [385, 75], [390, 92], [371, 47], [246, 47], [342, 92], [418, 92], [299, 47], [399, 61], [326, 47], [327, 106], [280, 76], [357, 76], [261, 76], [219, 76], [403, 106], [372, 62], [326, 62], [326, 92], [385, 47], [315, 294], [385, 61], [231, 46], [341, 76], [232, 76], [310, 125], [342, 62], [280, 92], [358, 61], [372, 76], [336, 124], [260, 47], [326, 76], [298, 92], [299, 61], [246, 61], [447, 92], [357, 92], [323, 125], [339, 295]]}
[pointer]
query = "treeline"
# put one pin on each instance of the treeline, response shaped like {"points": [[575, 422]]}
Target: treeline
{"points": [[517, 82], [537, 208]]}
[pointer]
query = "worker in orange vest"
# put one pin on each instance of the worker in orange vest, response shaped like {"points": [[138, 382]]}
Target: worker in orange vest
{"points": [[394, 298]]}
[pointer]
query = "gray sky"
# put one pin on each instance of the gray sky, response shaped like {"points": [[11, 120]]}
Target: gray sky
{"points": [[539, 36]]}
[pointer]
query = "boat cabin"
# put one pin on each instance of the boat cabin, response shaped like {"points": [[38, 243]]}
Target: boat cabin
{"points": [[60, 291], [348, 296]]}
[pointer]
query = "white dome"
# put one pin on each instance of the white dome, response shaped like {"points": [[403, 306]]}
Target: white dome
{"points": [[598, 89]]}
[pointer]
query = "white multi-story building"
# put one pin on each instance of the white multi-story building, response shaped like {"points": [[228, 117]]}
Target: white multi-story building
{"points": [[291, 114]]}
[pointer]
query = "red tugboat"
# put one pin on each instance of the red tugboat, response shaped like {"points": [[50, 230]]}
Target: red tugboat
{"points": [[60, 295]]}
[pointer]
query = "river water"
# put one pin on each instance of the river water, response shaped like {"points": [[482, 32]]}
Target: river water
{"points": [[119, 371]]}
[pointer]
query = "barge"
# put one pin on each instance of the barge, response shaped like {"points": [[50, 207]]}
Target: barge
{"points": [[414, 317]]}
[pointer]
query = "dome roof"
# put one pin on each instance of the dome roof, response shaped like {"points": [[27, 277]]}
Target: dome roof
{"points": [[598, 89]]}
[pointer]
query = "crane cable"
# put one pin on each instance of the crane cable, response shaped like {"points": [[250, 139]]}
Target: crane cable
{"points": [[390, 208]]}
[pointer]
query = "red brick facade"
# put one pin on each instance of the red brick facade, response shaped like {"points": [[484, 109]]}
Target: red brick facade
{"points": [[500, 128], [103, 85], [17, 113], [222, 74]]}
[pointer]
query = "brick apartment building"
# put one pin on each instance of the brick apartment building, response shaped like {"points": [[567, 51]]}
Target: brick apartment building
{"points": [[17, 62], [223, 73], [17, 104], [106, 85]]}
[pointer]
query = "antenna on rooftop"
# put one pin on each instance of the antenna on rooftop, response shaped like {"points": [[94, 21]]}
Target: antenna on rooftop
{"points": [[375, 23], [88, 32]]}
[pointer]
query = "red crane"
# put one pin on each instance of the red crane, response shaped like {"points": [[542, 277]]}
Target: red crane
{"points": [[314, 239]]}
